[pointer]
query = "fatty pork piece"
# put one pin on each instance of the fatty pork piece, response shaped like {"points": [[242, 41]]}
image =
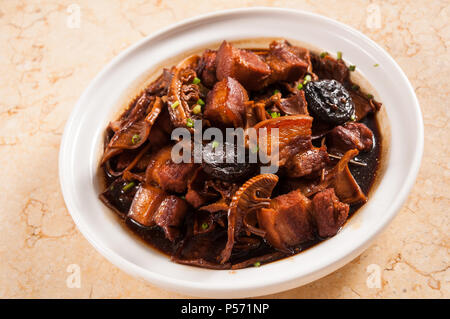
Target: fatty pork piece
{"points": [[225, 104], [294, 136], [364, 104], [328, 212], [168, 175], [206, 69], [244, 66], [307, 162], [287, 221], [349, 136], [152, 206], [284, 63], [294, 104], [330, 68]]}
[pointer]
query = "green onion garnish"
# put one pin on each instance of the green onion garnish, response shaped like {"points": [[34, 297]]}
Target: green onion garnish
{"points": [[257, 264], [275, 115], [200, 102], [307, 79], [276, 92], [323, 54], [339, 55], [196, 80], [128, 186], [215, 144], [355, 87], [352, 67], [205, 226], [197, 109], [353, 118], [190, 123], [369, 96], [175, 104], [135, 139], [300, 86]]}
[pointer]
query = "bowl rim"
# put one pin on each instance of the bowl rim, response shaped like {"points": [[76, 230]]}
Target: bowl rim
{"points": [[249, 288]]}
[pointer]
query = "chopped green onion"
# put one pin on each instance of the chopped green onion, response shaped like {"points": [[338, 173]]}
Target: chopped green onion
{"points": [[135, 139], [353, 118], [196, 80], [175, 104], [257, 264], [275, 115], [205, 226], [190, 123], [355, 87], [339, 55], [215, 144], [376, 65], [300, 86], [128, 186], [352, 67], [369, 96], [276, 92], [307, 79], [323, 54], [197, 109], [254, 149], [200, 102]]}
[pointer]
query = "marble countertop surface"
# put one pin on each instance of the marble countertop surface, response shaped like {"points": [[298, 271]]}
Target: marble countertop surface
{"points": [[47, 58]]}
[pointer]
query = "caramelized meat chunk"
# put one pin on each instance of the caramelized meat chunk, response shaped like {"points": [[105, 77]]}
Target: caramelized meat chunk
{"points": [[294, 136], [168, 175], [363, 104], [308, 162], [145, 204], [328, 212], [245, 66], [287, 221], [284, 62], [225, 104], [330, 68], [294, 104], [207, 68], [350, 136], [170, 216]]}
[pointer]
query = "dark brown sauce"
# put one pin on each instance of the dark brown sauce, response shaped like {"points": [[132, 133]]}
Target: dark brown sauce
{"points": [[212, 243], [154, 237]]}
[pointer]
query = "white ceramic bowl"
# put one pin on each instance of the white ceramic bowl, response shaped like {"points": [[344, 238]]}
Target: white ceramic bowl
{"points": [[82, 140]]}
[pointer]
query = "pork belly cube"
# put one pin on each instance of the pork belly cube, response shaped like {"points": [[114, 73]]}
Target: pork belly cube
{"points": [[287, 222], [284, 63], [244, 66], [308, 162], [145, 204], [328, 212], [350, 136], [225, 104], [207, 68], [170, 216], [168, 175]]}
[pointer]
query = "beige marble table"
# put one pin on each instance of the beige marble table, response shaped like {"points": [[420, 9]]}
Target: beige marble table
{"points": [[47, 58]]}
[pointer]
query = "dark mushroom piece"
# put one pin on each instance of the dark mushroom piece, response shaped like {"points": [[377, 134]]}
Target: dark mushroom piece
{"points": [[179, 109], [253, 195]]}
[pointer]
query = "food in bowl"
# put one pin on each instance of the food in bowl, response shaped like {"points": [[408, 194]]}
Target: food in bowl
{"points": [[217, 209]]}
